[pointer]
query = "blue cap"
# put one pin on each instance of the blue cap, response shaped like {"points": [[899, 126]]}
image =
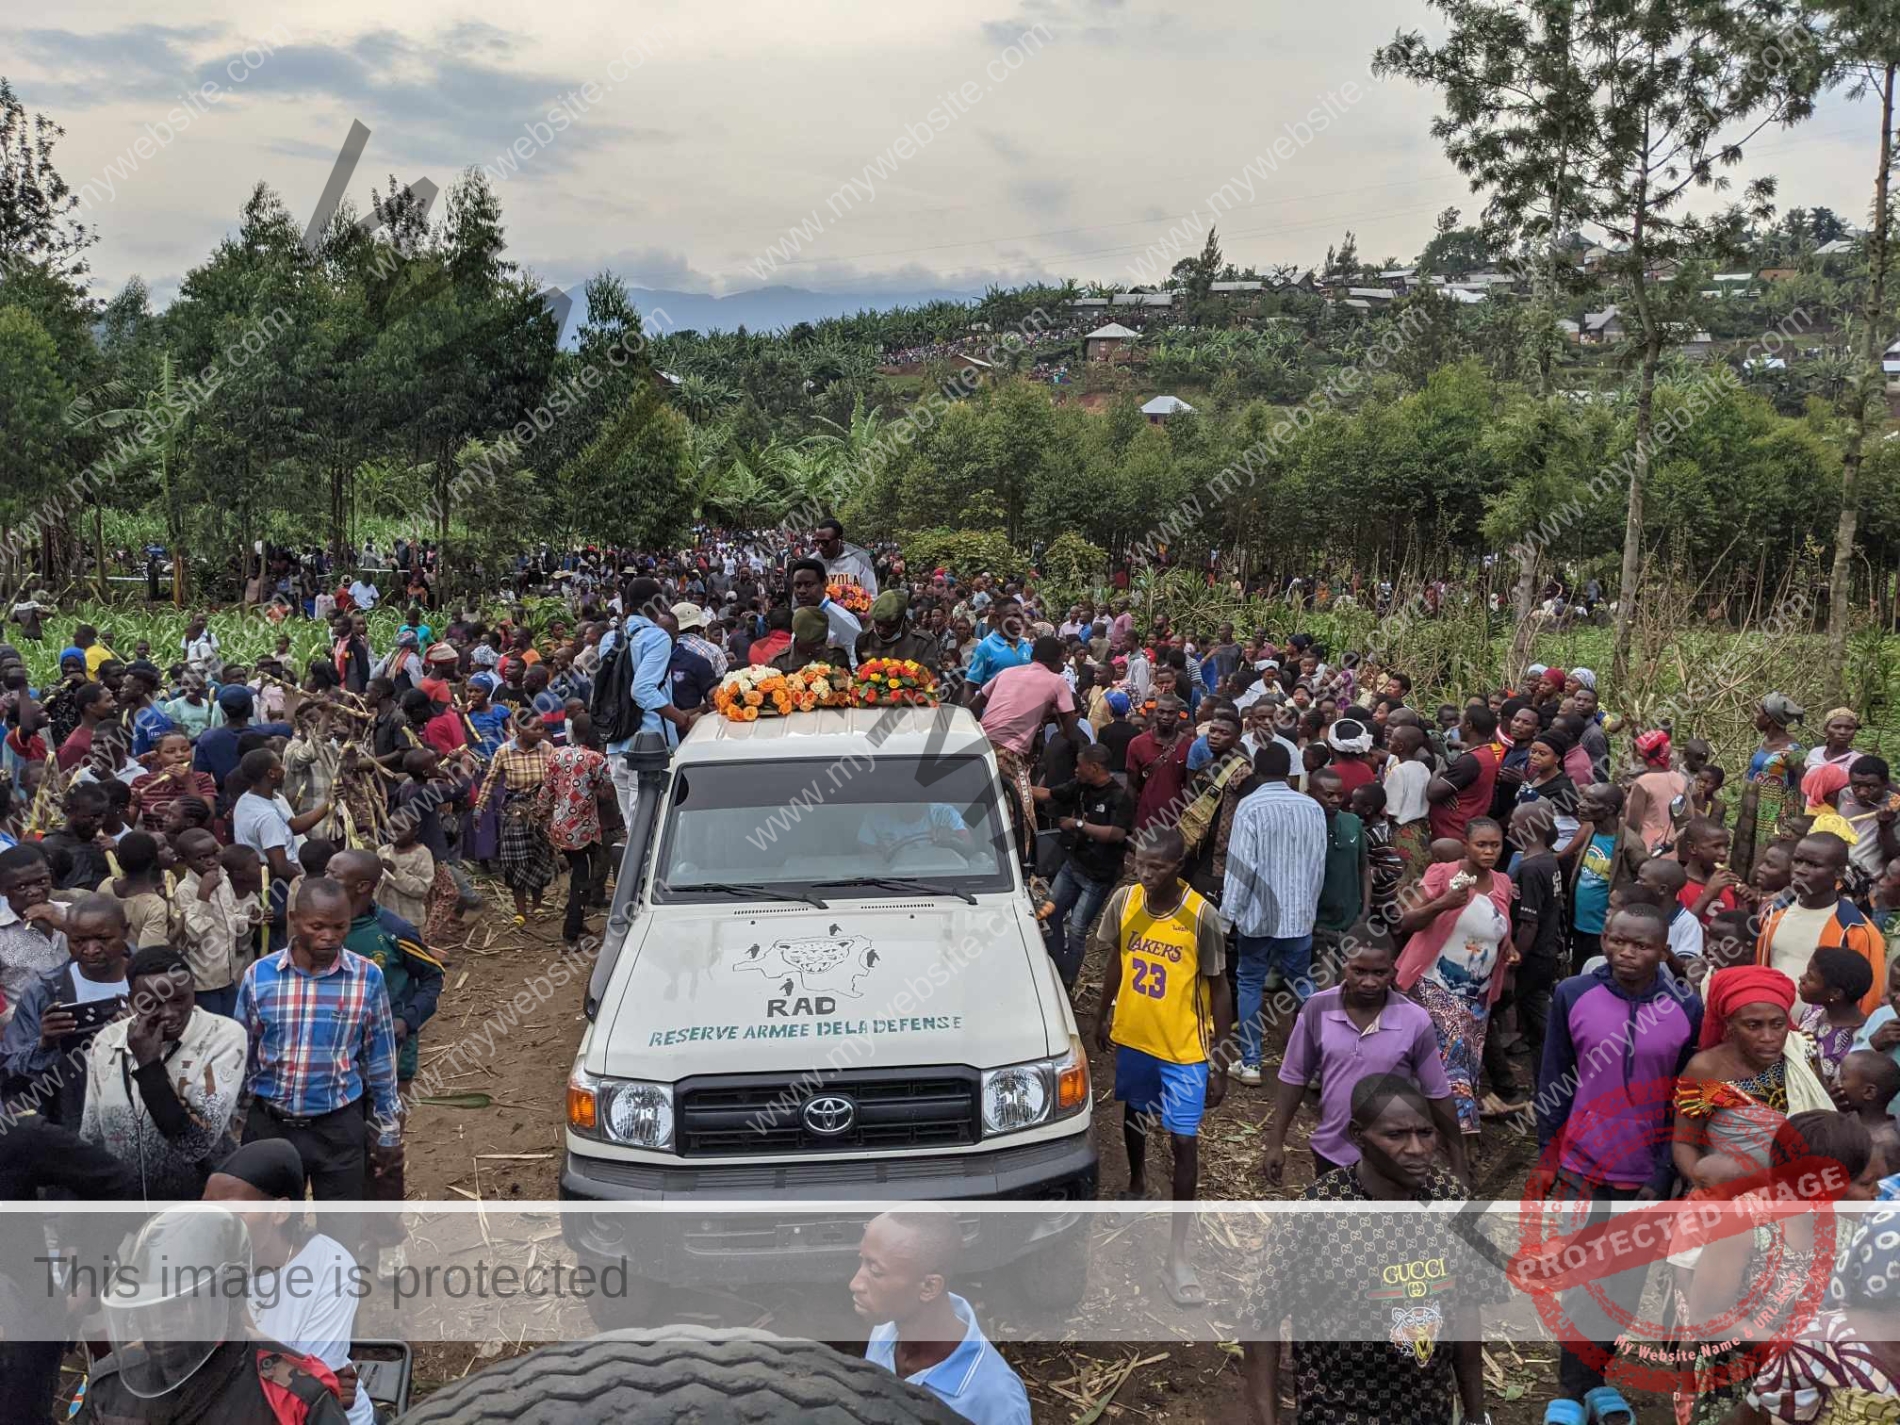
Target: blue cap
{"points": [[1118, 703]]}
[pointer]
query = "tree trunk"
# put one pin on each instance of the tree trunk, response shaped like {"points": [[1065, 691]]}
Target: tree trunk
{"points": [[1645, 436], [1867, 391], [99, 550]]}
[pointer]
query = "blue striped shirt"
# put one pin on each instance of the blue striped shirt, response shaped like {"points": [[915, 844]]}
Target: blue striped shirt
{"points": [[317, 1039], [1276, 859]]}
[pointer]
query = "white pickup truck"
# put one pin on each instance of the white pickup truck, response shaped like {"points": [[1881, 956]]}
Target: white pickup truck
{"points": [[823, 979]]}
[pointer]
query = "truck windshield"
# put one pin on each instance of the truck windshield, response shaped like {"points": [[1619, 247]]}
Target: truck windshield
{"points": [[791, 824]]}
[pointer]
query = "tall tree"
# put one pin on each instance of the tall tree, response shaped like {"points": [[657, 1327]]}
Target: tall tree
{"points": [[38, 213], [1515, 122], [1657, 98], [1867, 36]]}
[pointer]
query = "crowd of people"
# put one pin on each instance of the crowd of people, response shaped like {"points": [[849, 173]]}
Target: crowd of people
{"points": [[231, 891]]}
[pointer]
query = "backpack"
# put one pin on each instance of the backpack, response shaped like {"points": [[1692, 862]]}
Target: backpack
{"points": [[615, 713], [1198, 819]]}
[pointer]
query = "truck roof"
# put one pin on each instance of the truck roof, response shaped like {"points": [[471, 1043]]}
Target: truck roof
{"points": [[835, 732]]}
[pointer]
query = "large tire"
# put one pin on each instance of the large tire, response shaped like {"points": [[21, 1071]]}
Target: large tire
{"points": [[683, 1376]]}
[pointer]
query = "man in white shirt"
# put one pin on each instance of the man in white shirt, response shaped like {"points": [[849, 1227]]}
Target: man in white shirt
{"points": [[844, 561], [201, 649], [364, 593], [304, 1285]]}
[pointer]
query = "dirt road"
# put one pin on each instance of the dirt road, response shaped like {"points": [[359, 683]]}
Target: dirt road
{"points": [[496, 1133]]}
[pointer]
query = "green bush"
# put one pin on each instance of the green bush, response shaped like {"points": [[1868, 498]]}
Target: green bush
{"points": [[965, 552]]}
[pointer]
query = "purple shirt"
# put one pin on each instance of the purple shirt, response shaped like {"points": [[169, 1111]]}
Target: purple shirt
{"points": [[1400, 1040]]}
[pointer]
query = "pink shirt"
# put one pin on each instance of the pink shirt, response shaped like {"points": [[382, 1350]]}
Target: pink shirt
{"points": [[1019, 701]]}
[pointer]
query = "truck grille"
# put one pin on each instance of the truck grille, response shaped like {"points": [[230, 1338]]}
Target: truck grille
{"points": [[739, 1114]]}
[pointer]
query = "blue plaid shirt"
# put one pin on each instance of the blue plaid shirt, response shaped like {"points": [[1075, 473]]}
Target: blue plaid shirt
{"points": [[316, 1039]]}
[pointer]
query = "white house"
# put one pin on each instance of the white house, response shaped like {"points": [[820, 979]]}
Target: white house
{"points": [[1161, 407]]}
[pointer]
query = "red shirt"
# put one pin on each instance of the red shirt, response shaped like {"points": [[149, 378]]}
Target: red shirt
{"points": [[1474, 783], [1352, 774], [1692, 892], [444, 732], [1166, 775], [769, 647], [74, 749]]}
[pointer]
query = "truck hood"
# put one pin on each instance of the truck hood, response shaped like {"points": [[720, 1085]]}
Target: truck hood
{"points": [[718, 990]]}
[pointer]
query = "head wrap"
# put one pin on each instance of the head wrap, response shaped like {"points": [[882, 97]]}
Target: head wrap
{"points": [[1119, 704], [1729, 990], [1555, 740], [442, 653], [1585, 677], [271, 1165], [1841, 712], [809, 625], [1554, 677], [407, 638], [1536, 670], [1783, 709], [1654, 747], [66, 653], [1347, 735], [487, 682], [1821, 783]]}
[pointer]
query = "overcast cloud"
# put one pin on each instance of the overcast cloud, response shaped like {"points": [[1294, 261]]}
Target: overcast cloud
{"points": [[1047, 138]]}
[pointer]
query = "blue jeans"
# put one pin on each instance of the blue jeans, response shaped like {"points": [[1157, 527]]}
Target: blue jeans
{"points": [[1077, 899], [1254, 957]]}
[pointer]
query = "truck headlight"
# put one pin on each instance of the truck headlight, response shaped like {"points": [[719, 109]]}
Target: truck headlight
{"points": [[1041, 1091], [639, 1115]]}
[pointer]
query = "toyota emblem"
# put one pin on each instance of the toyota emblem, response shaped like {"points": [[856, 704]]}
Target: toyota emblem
{"points": [[828, 1115]]}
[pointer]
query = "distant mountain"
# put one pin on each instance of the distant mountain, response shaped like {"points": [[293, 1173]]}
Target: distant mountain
{"points": [[762, 309]]}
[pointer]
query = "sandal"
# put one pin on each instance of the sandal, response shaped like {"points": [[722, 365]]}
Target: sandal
{"points": [[520, 921], [1188, 1295], [1605, 1402], [1563, 1412]]}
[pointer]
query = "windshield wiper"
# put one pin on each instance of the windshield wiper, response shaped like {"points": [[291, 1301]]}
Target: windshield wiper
{"points": [[757, 893], [902, 883]]}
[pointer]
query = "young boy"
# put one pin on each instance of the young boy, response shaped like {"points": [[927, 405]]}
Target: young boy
{"points": [[140, 890], [1387, 866], [1668, 879], [1610, 858], [1870, 1089], [1703, 850], [1346, 886], [1164, 943], [1881, 1032], [1705, 795], [408, 871], [210, 922]]}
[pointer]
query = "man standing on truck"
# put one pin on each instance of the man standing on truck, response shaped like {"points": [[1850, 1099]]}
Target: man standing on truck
{"points": [[927, 1333], [1014, 706], [1163, 942]]}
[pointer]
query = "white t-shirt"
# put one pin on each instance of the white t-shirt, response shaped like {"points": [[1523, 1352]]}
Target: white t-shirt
{"points": [[261, 823], [308, 1306], [1797, 934], [1405, 784], [1685, 936]]}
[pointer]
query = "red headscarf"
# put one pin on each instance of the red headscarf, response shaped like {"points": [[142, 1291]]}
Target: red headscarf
{"points": [[1654, 747], [1822, 782], [1554, 677], [1728, 990]]}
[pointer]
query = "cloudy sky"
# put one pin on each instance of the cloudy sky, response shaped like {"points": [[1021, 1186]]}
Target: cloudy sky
{"points": [[1059, 137]]}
